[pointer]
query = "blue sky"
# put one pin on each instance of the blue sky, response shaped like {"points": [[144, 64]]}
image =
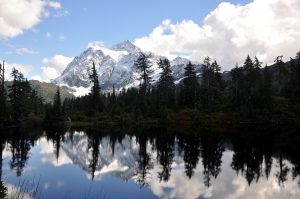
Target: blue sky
{"points": [[68, 28]]}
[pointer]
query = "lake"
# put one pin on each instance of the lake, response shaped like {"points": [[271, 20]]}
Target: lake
{"points": [[149, 164]]}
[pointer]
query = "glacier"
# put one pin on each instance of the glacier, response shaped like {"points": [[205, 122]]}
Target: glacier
{"points": [[115, 66]]}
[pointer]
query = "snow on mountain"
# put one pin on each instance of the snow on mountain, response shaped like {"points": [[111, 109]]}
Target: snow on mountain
{"points": [[115, 66], [120, 159]]}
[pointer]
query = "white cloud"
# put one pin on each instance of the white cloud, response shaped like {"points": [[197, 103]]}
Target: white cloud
{"points": [[16, 16], [266, 28], [53, 67], [22, 51], [54, 5], [25, 69]]}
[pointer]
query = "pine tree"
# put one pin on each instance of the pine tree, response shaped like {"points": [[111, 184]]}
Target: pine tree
{"points": [[190, 87], [166, 85], [2, 94], [218, 83], [211, 84], [113, 96], [57, 111], [292, 90], [143, 65], [15, 94], [95, 91], [267, 87], [282, 74], [236, 86]]}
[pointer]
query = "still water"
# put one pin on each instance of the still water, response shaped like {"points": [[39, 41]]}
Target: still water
{"points": [[87, 164]]}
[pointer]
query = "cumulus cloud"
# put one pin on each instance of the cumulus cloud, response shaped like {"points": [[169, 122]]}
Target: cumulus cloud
{"points": [[266, 28], [25, 69], [53, 67], [16, 16]]}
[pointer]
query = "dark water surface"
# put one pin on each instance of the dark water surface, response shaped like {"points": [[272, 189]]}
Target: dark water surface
{"points": [[152, 164]]}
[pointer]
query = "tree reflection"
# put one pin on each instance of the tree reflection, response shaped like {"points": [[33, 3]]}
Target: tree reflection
{"points": [[56, 136], [211, 151], [19, 147], [2, 145], [93, 144], [144, 162], [283, 171], [190, 145], [165, 155], [248, 159]]}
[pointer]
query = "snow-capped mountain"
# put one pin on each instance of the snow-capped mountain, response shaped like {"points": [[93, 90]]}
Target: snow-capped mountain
{"points": [[115, 66]]}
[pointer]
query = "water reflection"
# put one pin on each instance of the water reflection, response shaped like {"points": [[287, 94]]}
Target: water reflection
{"points": [[153, 164]]}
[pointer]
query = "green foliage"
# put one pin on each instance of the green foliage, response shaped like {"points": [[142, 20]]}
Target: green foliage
{"points": [[190, 89], [250, 94], [211, 85], [48, 90], [143, 65], [96, 105], [54, 114], [166, 85]]}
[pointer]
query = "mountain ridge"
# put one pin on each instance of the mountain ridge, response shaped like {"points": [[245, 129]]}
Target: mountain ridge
{"points": [[115, 66]]}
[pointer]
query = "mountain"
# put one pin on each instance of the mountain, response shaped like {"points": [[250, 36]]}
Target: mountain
{"points": [[48, 90], [115, 66]]}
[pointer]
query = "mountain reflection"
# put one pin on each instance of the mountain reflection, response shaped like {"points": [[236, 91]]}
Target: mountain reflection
{"points": [[152, 159]]}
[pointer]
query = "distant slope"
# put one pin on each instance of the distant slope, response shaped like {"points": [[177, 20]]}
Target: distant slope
{"points": [[48, 90]]}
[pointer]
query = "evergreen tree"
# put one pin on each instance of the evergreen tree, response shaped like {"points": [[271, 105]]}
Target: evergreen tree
{"points": [[190, 87], [206, 80], [253, 82], [57, 107], [236, 86], [143, 65], [267, 87], [293, 87], [16, 95], [166, 85], [282, 74], [218, 83], [2, 94], [95, 92], [113, 96], [211, 84]]}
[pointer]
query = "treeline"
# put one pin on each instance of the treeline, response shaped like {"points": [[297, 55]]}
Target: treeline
{"points": [[248, 93], [18, 101]]}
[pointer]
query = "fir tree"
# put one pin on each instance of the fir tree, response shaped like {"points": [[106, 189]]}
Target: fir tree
{"points": [[16, 95], [95, 91], [190, 87], [211, 84], [57, 107], [143, 65], [2, 94], [166, 85]]}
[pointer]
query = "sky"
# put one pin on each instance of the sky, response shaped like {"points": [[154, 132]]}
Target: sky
{"points": [[40, 37]]}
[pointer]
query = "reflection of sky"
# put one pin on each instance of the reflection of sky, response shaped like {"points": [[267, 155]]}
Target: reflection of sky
{"points": [[68, 176]]}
